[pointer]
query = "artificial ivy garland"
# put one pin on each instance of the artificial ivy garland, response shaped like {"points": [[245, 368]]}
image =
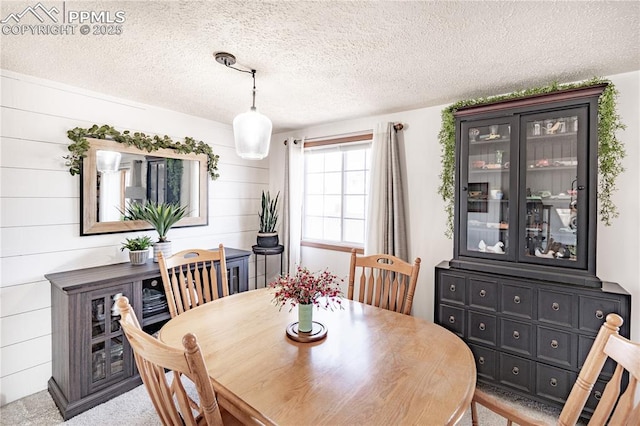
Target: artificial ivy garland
{"points": [[610, 149], [78, 149]]}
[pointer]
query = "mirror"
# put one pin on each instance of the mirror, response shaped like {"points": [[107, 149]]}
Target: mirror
{"points": [[114, 175]]}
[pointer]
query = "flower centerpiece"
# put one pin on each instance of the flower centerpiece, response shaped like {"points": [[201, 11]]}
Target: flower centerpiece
{"points": [[305, 290]]}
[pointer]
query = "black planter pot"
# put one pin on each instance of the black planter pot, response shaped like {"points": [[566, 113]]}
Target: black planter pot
{"points": [[267, 239]]}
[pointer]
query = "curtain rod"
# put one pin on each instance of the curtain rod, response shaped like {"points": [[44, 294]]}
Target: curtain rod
{"points": [[397, 126]]}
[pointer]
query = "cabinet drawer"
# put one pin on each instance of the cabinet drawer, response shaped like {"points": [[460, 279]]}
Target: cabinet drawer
{"points": [[517, 300], [486, 361], [554, 383], [555, 307], [584, 346], [516, 336], [452, 288], [452, 318], [594, 311], [483, 294], [555, 346], [516, 372], [482, 328]]}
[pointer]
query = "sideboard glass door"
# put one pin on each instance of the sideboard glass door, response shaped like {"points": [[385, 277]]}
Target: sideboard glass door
{"points": [[107, 353]]}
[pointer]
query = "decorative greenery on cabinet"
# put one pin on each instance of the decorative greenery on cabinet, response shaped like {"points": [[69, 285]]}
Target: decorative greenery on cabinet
{"points": [[80, 145], [611, 150]]}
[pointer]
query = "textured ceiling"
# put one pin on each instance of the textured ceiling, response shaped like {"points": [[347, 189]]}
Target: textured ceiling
{"points": [[324, 61]]}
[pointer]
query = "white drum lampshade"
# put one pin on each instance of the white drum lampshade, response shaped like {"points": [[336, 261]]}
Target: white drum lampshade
{"points": [[252, 134]]}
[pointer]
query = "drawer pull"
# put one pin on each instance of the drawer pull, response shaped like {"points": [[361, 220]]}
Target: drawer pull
{"points": [[481, 360], [553, 382], [483, 293], [516, 299], [555, 306], [554, 344], [516, 334], [597, 395], [515, 371], [599, 314], [482, 327], [452, 319], [452, 287]]}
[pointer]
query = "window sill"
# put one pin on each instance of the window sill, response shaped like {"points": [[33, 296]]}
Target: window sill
{"points": [[329, 246]]}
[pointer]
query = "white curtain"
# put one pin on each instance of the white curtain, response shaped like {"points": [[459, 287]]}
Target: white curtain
{"points": [[386, 228], [292, 201]]}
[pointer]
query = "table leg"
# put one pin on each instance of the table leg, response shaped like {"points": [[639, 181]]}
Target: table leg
{"points": [[255, 271]]}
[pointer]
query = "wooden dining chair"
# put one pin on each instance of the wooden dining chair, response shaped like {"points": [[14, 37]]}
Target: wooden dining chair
{"points": [[613, 408], [152, 357], [189, 278], [384, 281]]}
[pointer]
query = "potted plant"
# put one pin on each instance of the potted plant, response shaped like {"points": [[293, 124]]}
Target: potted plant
{"points": [[267, 234], [305, 290], [138, 249], [162, 216]]}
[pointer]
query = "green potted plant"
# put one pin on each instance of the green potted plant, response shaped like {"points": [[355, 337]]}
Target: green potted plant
{"points": [[267, 234], [138, 249], [162, 216]]}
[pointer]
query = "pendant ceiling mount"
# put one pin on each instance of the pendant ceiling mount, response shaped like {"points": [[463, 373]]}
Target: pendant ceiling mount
{"points": [[224, 58]]}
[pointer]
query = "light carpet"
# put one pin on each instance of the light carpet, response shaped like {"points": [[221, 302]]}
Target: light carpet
{"points": [[135, 408]]}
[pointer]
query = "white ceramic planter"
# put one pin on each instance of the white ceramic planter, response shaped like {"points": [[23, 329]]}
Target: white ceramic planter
{"points": [[164, 248], [138, 257]]}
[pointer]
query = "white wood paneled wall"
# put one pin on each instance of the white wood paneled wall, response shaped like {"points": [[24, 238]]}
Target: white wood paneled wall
{"points": [[40, 207]]}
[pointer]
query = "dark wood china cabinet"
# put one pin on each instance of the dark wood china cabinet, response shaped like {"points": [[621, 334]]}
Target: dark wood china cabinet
{"points": [[522, 288]]}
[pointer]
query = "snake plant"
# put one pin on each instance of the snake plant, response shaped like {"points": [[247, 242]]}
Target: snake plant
{"points": [[269, 213]]}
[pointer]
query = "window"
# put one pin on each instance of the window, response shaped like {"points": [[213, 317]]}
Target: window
{"points": [[335, 193]]}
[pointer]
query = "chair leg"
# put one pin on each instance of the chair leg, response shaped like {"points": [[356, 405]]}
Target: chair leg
{"points": [[474, 414]]}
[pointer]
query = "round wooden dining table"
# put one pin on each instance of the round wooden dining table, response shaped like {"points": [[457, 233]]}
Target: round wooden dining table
{"points": [[374, 366]]}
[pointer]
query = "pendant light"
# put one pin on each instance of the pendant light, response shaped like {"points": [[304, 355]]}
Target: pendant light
{"points": [[251, 130]]}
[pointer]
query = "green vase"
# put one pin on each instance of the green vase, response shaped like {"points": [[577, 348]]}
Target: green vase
{"points": [[305, 317]]}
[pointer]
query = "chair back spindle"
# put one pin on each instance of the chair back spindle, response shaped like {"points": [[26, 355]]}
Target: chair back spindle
{"points": [[385, 281], [190, 278]]}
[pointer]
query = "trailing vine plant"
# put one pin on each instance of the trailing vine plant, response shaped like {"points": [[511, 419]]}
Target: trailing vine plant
{"points": [[611, 150], [78, 149]]}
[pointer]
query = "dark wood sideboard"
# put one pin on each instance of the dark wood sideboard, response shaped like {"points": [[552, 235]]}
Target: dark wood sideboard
{"points": [[91, 360]]}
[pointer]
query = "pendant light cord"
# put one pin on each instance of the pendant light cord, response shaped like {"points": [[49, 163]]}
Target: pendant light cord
{"points": [[253, 74]]}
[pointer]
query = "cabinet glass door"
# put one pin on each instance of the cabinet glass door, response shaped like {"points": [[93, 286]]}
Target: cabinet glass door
{"points": [[486, 184], [107, 355], [553, 182]]}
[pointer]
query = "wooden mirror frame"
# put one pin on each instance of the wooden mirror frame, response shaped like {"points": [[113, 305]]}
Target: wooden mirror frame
{"points": [[89, 224]]}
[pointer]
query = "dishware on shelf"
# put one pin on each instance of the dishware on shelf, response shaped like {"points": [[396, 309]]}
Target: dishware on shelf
{"points": [[537, 128]]}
